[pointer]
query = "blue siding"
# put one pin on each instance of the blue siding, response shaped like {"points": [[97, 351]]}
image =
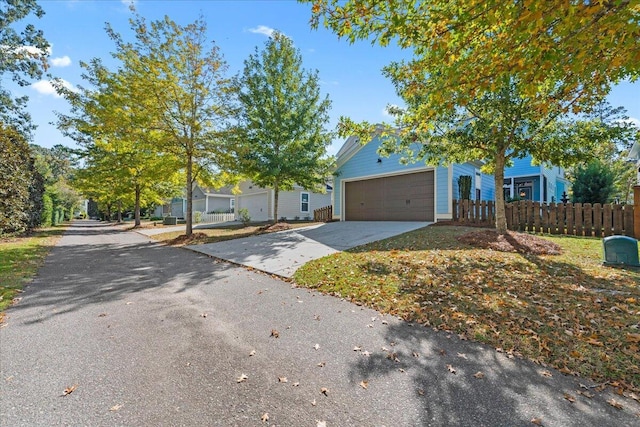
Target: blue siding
{"points": [[522, 167], [487, 186], [442, 190]]}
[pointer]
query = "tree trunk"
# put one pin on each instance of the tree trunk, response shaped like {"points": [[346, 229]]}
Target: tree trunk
{"points": [[137, 207], [188, 215], [119, 211], [501, 218], [276, 191]]}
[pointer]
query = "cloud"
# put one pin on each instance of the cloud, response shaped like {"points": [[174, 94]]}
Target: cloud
{"points": [[25, 51], [329, 82], [634, 121], [262, 29], [44, 87], [129, 2], [64, 61]]}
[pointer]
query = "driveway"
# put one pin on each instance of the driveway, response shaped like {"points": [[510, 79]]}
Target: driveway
{"points": [[282, 253]]}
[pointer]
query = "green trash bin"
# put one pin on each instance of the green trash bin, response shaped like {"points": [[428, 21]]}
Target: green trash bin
{"points": [[620, 250]]}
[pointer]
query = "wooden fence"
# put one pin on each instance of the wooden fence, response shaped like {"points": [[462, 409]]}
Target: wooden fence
{"points": [[575, 219], [323, 214]]}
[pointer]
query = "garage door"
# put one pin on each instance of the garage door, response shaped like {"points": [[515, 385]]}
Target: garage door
{"points": [[256, 204], [408, 197]]}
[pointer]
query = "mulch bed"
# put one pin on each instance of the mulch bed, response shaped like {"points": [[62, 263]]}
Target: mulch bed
{"points": [[510, 242], [279, 226]]}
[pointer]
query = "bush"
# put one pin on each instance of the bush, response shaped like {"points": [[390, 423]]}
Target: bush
{"points": [[47, 211], [243, 216], [197, 217], [593, 183]]}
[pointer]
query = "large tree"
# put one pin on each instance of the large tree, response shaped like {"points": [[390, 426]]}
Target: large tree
{"points": [[493, 80], [192, 97], [281, 139], [593, 183], [23, 56]]}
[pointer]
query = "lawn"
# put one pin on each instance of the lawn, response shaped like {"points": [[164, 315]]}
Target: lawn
{"points": [[567, 311], [20, 258], [229, 232]]}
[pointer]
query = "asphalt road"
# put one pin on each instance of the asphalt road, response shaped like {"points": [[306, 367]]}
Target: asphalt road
{"points": [[159, 336]]}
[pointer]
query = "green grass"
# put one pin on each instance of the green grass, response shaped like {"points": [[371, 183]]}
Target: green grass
{"points": [[20, 258], [568, 311]]}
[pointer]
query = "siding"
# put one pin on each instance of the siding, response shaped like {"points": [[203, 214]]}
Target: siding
{"points": [[522, 167], [289, 203]]}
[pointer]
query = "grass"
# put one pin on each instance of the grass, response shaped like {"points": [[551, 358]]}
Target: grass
{"points": [[567, 311], [20, 258], [219, 234]]}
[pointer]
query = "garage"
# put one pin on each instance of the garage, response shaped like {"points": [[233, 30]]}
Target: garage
{"points": [[406, 197], [256, 204]]}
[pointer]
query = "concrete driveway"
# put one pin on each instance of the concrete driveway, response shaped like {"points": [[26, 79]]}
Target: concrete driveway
{"points": [[282, 253]]}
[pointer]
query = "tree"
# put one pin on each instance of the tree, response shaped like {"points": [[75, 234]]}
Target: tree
{"points": [[192, 97], [593, 183], [22, 186], [281, 139], [493, 80], [23, 56], [474, 45]]}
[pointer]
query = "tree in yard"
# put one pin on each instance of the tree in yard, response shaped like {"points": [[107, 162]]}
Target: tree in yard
{"points": [[494, 80], [192, 99], [281, 140], [593, 183], [23, 56]]}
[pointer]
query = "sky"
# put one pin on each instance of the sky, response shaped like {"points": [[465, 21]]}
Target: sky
{"points": [[350, 74]]}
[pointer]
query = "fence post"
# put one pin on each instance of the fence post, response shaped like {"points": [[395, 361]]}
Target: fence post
{"points": [[636, 211]]}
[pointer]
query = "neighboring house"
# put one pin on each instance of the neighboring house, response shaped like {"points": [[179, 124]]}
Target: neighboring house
{"points": [[296, 204], [206, 200], [368, 187], [543, 183], [634, 156]]}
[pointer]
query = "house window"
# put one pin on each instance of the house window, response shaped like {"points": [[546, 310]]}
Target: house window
{"points": [[304, 202], [232, 205]]}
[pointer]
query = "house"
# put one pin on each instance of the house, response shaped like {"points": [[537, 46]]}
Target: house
{"points": [[296, 204], [368, 187], [206, 200], [542, 183]]}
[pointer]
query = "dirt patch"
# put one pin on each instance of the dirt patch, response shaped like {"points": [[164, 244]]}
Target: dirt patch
{"points": [[510, 242], [485, 224], [193, 239], [279, 226]]}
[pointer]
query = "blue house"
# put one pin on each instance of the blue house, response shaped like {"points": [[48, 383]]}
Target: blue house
{"points": [[542, 183], [368, 187]]}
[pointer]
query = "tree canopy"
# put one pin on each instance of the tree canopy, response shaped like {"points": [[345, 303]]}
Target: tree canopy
{"points": [[281, 140], [23, 56]]}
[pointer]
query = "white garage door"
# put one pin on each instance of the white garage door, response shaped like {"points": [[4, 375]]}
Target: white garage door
{"points": [[256, 204]]}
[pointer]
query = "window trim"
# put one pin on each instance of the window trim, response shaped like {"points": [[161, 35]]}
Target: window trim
{"points": [[308, 202]]}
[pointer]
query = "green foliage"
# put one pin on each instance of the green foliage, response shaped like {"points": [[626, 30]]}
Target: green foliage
{"points": [[593, 183], [243, 216], [21, 190], [47, 210], [280, 140], [464, 187], [23, 57]]}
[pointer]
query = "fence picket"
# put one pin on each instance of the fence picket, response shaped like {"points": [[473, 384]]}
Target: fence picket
{"points": [[597, 219], [586, 212]]}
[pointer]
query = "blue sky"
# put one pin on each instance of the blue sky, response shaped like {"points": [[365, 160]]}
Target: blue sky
{"points": [[349, 73]]}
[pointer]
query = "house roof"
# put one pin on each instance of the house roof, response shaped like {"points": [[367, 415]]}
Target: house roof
{"points": [[634, 153], [226, 191]]}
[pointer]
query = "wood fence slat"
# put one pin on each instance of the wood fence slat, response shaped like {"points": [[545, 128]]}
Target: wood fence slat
{"points": [[553, 218], [617, 219], [597, 219], [477, 211], [536, 217], [454, 211], [562, 219], [577, 217], [587, 220], [607, 217], [628, 220], [569, 212]]}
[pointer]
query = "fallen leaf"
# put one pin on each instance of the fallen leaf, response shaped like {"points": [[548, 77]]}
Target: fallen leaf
{"points": [[416, 355], [478, 375], [421, 392], [129, 303], [102, 314], [115, 408], [366, 353], [283, 380], [451, 369], [242, 378], [633, 338], [569, 398], [67, 391], [586, 394], [356, 348], [384, 322], [265, 417], [546, 373], [364, 384], [313, 403], [321, 364], [317, 346], [321, 423], [462, 355], [369, 325], [253, 353], [316, 317], [204, 315], [536, 421], [614, 403], [324, 391], [295, 384], [275, 333]]}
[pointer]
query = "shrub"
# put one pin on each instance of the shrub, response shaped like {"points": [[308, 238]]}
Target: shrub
{"points": [[243, 216], [47, 211]]}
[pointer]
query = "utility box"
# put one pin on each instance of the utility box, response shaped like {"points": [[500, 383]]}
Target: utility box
{"points": [[170, 220], [620, 250]]}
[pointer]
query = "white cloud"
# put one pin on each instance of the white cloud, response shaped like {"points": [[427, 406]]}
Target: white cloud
{"points": [[129, 2], [24, 50], [329, 82], [44, 87], [262, 29], [634, 121], [64, 61]]}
